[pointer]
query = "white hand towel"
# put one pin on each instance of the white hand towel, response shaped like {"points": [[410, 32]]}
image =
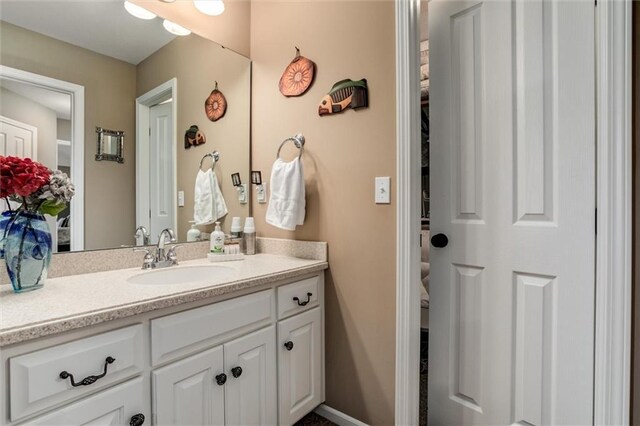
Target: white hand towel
{"points": [[287, 202], [209, 204]]}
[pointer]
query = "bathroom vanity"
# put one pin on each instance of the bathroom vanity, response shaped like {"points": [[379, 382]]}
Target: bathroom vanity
{"points": [[245, 346]]}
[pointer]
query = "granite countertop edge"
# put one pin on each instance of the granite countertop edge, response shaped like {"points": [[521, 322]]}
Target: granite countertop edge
{"points": [[32, 331]]}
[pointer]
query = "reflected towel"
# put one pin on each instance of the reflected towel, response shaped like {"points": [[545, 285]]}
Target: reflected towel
{"points": [[287, 202], [209, 204]]}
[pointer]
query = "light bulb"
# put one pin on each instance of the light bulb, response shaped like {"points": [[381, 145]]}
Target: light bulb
{"points": [[209, 7], [137, 11], [174, 28]]}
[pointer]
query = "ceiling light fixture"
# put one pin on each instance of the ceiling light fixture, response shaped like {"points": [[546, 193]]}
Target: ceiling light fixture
{"points": [[209, 7], [174, 28], [137, 11]]}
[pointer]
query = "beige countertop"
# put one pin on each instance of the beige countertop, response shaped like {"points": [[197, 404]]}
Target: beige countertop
{"points": [[75, 301]]}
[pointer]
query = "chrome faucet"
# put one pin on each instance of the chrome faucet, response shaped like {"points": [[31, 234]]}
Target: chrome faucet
{"points": [[144, 233], [160, 259], [160, 256]]}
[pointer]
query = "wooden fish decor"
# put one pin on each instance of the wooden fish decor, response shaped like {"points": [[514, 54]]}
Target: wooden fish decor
{"points": [[345, 94], [194, 137], [216, 105], [298, 76]]}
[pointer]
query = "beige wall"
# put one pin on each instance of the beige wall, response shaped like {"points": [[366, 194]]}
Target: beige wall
{"points": [[635, 388], [231, 29], [110, 103], [64, 129], [343, 154], [29, 112], [197, 63]]}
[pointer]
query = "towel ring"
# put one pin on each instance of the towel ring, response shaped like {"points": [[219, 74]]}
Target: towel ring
{"points": [[215, 155], [298, 141]]}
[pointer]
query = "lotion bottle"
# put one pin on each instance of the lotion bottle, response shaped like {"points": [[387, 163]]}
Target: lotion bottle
{"points": [[217, 240]]}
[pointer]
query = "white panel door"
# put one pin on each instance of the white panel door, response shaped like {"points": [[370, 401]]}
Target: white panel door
{"points": [[187, 392], [512, 161], [18, 139], [116, 406], [299, 365], [161, 163], [251, 390]]}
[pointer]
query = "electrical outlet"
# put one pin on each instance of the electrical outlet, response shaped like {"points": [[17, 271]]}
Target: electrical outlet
{"points": [[383, 190], [261, 193], [242, 193], [180, 198]]}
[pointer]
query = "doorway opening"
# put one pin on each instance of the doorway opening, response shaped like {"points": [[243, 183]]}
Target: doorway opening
{"points": [[424, 210], [156, 153]]}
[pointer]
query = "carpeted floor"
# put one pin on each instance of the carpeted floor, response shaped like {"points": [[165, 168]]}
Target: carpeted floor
{"points": [[314, 419]]}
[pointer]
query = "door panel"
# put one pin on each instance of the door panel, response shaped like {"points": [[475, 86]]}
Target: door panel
{"points": [[512, 161], [251, 398], [161, 163], [186, 393], [299, 368]]}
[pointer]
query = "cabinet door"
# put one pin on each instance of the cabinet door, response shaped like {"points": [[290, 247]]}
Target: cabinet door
{"points": [[299, 365], [187, 392], [113, 407], [250, 363]]}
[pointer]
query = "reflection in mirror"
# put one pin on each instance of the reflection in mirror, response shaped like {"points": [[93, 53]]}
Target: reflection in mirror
{"points": [[110, 145], [118, 79]]}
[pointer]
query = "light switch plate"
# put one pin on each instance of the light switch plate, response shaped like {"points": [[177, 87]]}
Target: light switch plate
{"points": [[261, 193], [180, 198], [383, 190]]}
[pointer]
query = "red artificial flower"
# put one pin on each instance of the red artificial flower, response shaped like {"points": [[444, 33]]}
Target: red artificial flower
{"points": [[21, 176]]}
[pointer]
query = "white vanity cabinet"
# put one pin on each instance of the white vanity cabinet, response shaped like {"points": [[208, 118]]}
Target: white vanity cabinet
{"points": [[235, 380], [253, 359], [300, 365]]}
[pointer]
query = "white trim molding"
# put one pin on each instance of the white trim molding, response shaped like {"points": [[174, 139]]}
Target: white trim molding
{"points": [[76, 92], [337, 417], [408, 212], [613, 247]]}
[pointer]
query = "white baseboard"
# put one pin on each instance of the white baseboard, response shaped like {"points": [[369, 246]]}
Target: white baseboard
{"points": [[338, 417]]}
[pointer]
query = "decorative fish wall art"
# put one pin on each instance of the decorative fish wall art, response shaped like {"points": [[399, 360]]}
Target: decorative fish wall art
{"points": [[194, 137], [216, 105], [298, 76], [343, 95]]}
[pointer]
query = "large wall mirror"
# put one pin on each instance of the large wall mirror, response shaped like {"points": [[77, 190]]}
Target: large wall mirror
{"points": [[69, 67]]}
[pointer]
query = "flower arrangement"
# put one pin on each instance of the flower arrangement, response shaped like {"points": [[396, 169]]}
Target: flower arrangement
{"points": [[32, 184]]}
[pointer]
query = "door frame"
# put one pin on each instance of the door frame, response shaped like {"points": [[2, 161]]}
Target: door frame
{"points": [[613, 185], [167, 90], [76, 92]]}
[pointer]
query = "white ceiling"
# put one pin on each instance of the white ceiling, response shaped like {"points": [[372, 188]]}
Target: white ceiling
{"points": [[56, 101], [103, 26]]}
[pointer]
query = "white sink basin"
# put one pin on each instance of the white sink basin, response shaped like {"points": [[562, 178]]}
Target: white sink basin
{"points": [[182, 275]]}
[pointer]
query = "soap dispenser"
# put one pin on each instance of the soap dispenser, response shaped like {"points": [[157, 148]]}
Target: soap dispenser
{"points": [[193, 234], [217, 240]]}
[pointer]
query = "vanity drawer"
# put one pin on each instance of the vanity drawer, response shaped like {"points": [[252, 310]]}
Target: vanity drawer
{"points": [[35, 383], [186, 332], [298, 297]]}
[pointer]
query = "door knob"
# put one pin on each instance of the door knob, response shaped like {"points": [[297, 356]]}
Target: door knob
{"points": [[236, 372], [221, 379], [288, 345], [439, 240], [137, 420]]}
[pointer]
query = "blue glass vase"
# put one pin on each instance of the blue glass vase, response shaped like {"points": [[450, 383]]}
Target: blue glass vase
{"points": [[5, 220], [27, 251]]}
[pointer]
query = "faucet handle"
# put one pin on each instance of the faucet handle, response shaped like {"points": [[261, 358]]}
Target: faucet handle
{"points": [[171, 254], [148, 257]]}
